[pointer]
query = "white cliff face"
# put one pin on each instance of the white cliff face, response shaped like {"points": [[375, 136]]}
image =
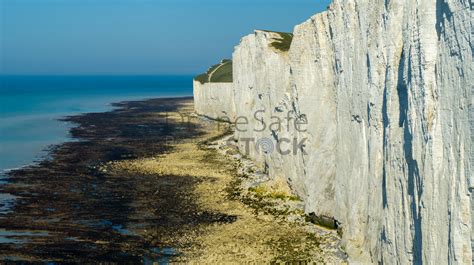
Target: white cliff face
{"points": [[213, 100], [400, 76], [385, 89], [263, 94]]}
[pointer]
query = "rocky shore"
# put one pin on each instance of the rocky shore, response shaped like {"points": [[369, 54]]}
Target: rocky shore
{"points": [[150, 182]]}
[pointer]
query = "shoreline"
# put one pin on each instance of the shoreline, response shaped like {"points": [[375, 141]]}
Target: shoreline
{"points": [[140, 185], [32, 120], [26, 185]]}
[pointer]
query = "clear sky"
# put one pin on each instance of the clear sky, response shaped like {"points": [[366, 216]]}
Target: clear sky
{"points": [[134, 36]]}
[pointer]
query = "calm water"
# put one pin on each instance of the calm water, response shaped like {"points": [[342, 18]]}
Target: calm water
{"points": [[31, 105]]}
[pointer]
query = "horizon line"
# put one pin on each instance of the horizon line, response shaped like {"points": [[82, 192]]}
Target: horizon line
{"points": [[93, 74]]}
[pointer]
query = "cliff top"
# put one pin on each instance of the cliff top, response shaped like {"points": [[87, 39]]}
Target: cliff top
{"points": [[280, 40], [219, 73]]}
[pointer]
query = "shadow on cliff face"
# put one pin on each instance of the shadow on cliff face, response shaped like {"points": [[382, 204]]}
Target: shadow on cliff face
{"points": [[70, 209], [415, 184]]}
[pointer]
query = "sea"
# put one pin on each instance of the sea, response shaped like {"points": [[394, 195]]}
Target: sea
{"points": [[31, 106]]}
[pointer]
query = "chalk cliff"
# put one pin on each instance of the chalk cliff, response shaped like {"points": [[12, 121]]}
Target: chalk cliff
{"points": [[213, 92], [213, 99], [384, 88]]}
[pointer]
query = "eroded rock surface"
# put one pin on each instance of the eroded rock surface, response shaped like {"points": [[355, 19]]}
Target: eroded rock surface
{"points": [[385, 88]]}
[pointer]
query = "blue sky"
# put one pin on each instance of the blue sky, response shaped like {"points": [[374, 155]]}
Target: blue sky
{"points": [[134, 36]]}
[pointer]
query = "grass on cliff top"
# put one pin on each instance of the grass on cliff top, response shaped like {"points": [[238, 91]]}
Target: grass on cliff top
{"points": [[282, 43], [219, 73]]}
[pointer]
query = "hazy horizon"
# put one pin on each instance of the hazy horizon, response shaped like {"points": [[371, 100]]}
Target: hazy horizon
{"points": [[134, 37]]}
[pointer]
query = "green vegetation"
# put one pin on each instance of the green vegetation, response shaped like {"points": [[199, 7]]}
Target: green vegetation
{"points": [[284, 42], [262, 192], [219, 73]]}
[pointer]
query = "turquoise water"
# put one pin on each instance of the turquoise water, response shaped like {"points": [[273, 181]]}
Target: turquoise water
{"points": [[31, 105]]}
